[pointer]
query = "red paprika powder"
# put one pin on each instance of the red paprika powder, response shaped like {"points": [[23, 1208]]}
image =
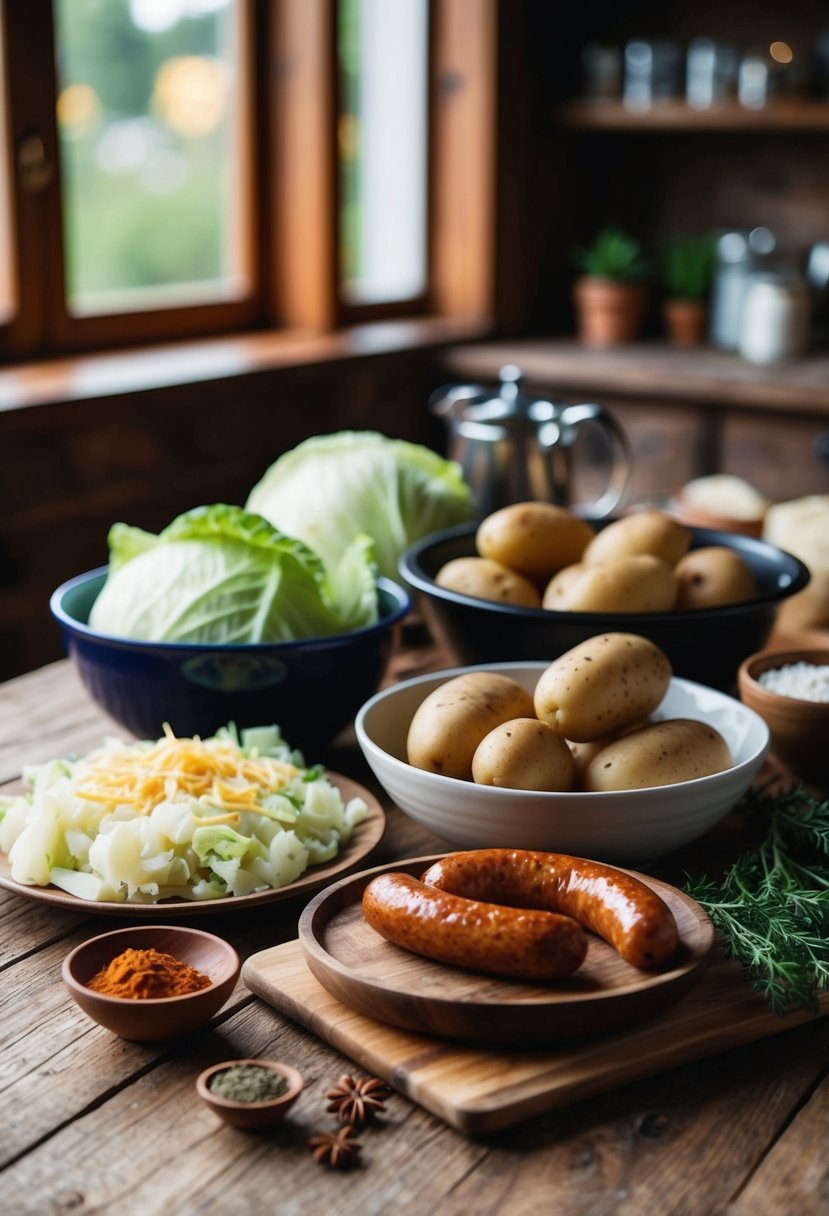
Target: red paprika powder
{"points": [[147, 975]]}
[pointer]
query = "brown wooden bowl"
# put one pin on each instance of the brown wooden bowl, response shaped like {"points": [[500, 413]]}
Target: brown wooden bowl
{"points": [[696, 517], [153, 1020], [251, 1116], [799, 729]]}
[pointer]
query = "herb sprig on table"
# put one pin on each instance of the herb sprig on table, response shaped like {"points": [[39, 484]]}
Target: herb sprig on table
{"points": [[772, 906]]}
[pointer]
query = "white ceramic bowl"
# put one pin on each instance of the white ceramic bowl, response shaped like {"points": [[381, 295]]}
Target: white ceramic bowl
{"points": [[626, 827]]}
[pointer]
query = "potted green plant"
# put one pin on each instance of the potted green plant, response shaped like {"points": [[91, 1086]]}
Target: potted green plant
{"points": [[611, 293], [686, 269]]}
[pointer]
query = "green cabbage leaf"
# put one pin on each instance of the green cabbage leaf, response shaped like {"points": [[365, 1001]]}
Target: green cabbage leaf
{"points": [[221, 574], [332, 488]]}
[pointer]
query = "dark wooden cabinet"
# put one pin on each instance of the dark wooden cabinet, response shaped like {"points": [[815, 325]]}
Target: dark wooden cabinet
{"points": [[658, 172]]}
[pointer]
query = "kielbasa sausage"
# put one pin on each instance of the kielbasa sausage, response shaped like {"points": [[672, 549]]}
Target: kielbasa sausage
{"points": [[522, 943], [620, 908]]}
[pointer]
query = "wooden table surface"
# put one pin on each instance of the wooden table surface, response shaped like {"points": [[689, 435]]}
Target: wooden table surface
{"points": [[93, 1123]]}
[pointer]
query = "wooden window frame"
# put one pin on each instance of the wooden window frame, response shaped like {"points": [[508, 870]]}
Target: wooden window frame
{"points": [[292, 197], [349, 312]]}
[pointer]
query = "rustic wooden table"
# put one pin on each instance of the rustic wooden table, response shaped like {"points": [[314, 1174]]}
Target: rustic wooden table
{"points": [[93, 1123]]}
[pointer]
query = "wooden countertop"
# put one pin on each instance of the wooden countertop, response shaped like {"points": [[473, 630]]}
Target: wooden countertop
{"points": [[653, 371], [94, 1123]]}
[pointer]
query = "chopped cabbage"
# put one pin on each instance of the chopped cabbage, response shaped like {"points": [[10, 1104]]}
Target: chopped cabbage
{"points": [[219, 574], [332, 488], [77, 828]]}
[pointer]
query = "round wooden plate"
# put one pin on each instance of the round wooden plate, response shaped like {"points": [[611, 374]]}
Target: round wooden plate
{"points": [[364, 838], [367, 973]]}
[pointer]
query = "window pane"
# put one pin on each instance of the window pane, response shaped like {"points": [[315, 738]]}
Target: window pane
{"points": [[7, 282], [383, 149], [148, 118]]}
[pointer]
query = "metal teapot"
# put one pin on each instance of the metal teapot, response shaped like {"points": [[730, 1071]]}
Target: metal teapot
{"points": [[517, 448]]}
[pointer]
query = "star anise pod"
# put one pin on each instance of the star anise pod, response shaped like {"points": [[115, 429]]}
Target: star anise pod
{"points": [[338, 1150], [355, 1099]]}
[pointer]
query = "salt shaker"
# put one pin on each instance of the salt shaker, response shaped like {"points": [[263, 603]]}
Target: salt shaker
{"points": [[711, 72], [775, 317], [738, 254]]}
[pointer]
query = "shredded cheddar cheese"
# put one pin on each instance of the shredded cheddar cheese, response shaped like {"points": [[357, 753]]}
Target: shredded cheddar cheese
{"points": [[214, 773]]}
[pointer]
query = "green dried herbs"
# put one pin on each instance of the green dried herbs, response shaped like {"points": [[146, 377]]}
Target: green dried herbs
{"points": [[248, 1083]]}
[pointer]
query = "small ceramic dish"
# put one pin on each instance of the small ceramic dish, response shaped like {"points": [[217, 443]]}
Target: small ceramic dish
{"points": [[799, 728], [250, 1116], [160, 1018]]}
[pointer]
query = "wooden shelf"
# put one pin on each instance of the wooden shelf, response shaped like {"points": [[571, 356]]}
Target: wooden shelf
{"points": [[602, 115], [654, 371]]}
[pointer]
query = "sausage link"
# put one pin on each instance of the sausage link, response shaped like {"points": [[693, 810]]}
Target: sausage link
{"points": [[620, 908], [520, 943]]}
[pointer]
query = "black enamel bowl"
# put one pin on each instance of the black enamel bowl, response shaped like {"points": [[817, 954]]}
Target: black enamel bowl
{"points": [[707, 645]]}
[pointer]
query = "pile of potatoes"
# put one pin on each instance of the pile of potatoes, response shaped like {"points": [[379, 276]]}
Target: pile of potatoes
{"points": [[585, 726], [541, 556]]}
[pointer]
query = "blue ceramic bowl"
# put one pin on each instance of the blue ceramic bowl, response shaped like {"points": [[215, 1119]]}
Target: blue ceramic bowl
{"points": [[707, 645], [311, 688]]}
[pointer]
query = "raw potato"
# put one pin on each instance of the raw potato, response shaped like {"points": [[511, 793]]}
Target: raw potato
{"points": [[724, 496], [639, 583], [664, 753], [711, 576], [601, 685], [534, 538], [651, 532], [488, 580], [562, 586], [523, 754], [453, 719], [583, 753]]}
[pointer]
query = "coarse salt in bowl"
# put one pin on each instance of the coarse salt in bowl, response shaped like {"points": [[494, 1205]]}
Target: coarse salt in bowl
{"points": [[801, 680]]}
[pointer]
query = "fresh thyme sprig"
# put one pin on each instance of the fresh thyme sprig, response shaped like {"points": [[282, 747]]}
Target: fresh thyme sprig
{"points": [[772, 906]]}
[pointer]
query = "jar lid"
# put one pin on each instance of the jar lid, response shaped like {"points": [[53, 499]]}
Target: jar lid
{"points": [[780, 276]]}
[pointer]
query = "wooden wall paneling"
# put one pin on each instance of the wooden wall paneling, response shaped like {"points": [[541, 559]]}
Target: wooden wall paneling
{"points": [[783, 457], [666, 444]]}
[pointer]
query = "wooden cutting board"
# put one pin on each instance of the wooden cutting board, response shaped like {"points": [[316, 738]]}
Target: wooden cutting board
{"points": [[477, 1090]]}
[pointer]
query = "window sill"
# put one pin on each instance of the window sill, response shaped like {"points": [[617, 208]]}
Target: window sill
{"points": [[146, 369]]}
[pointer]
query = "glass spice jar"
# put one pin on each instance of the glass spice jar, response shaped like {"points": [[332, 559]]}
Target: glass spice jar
{"points": [[775, 318]]}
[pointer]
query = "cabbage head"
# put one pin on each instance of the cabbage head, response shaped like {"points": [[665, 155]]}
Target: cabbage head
{"points": [[332, 488], [220, 574]]}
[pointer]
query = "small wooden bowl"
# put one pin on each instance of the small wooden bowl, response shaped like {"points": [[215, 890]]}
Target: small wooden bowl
{"points": [[153, 1020], [251, 1116], [799, 729], [696, 517]]}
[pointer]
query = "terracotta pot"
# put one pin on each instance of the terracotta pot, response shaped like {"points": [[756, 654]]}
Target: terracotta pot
{"points": [[799, 728], [685, 321], [609, 311]]}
